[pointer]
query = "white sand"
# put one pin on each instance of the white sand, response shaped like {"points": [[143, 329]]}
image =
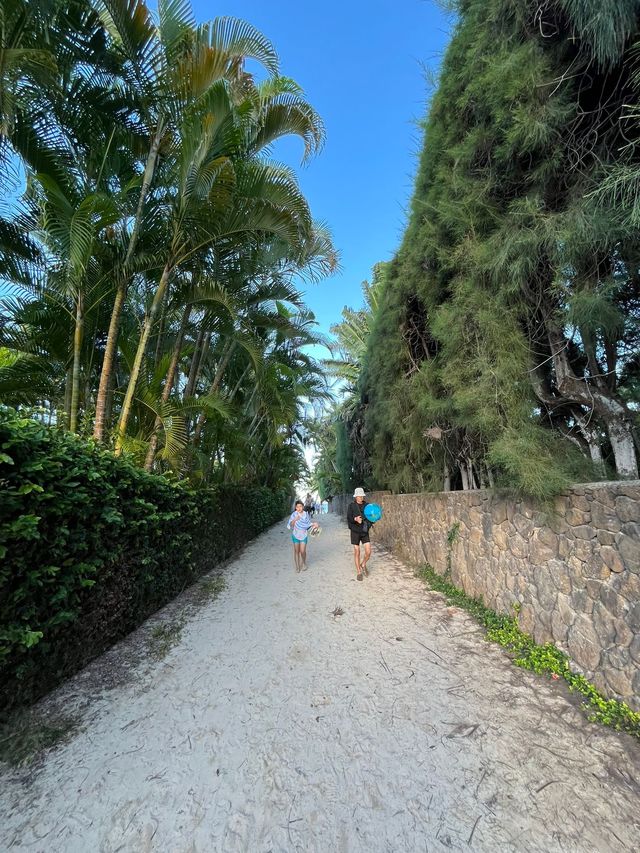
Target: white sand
{"points": [[274, 726]]}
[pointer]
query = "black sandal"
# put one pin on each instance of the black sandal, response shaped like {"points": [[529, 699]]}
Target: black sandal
{"points": [[359, 576]]}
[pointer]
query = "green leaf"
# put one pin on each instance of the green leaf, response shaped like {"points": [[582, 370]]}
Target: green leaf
{"points": [[27, 488], [30, 638]]}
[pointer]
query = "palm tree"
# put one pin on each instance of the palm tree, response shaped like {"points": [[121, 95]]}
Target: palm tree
{"points": [[158, 280], [215, 202], [71, 225], [257, 287], [166, 68], [352, 334]]}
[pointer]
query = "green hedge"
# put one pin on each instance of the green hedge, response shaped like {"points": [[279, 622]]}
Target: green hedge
{"points": [[90, 546]]}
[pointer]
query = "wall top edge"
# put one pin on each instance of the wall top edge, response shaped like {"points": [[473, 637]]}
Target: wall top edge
{"points": [[603, 484]]}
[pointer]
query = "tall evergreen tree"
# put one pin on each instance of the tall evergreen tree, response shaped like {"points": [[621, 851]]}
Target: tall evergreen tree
{"points": [[508, 326]]}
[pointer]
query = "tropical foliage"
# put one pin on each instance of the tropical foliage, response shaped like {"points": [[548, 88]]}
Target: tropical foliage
{"points": [[352, 334], [505, 346], [152, 264], [337, 435]]}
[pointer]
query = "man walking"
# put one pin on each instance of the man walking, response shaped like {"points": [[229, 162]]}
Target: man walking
{"points": [[359, 527]]}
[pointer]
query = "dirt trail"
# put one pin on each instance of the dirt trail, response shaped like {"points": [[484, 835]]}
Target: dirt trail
{"points": [[275, 726]]}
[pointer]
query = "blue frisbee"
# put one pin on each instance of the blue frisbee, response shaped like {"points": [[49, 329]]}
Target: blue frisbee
{"points": [[373, 512]]}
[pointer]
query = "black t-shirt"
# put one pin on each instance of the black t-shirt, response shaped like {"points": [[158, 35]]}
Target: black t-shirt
{"points": [[357, 509]]}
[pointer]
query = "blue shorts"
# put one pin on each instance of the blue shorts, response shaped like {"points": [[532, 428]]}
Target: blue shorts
{"points": [[299, 541]]}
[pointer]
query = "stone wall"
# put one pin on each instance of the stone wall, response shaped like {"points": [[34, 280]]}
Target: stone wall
{"points": [[575, 571]]}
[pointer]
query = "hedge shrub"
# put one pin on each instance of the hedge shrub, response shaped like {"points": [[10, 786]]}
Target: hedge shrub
{"points": [[90, 546]]}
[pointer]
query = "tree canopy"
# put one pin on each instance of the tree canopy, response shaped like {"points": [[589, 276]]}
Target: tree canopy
{"points": [[153, 263], [505, 346]]}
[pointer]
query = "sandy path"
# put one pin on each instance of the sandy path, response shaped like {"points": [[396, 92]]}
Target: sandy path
{"points": [[274, 726]]}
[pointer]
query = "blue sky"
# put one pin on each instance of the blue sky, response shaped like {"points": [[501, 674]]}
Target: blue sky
{"points": [[362, 67]]}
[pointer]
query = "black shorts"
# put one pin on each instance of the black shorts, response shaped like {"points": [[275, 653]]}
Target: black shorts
{"points": [[358, 538]]}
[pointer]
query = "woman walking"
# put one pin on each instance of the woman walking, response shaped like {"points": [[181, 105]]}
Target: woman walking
{"points": [[299, 523]]}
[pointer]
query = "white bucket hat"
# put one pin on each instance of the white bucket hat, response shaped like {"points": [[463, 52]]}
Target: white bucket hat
{"points": [[359, 493]]}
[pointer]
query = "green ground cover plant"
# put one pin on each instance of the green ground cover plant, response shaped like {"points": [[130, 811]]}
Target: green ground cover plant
{"points": [[90, 546], [542, 659], [164, 637], [167, 635]]}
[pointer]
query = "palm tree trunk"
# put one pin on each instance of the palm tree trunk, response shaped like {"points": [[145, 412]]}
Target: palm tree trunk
{"points": [[107, 362], [68, 384], [168, 387], [160, 333], [224, 363], [217, 379], [255, 423], [239, 382], [108, 411], [247, 407], [75, 373], [196, 361], [199, 426], [121, 292], [200, 351], [147, 326]]}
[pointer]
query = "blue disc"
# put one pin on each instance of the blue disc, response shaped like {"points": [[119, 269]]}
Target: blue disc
{"points": [[373, 512]]}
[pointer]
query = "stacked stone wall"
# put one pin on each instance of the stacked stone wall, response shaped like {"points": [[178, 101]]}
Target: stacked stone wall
{"points": [[573, 570]]}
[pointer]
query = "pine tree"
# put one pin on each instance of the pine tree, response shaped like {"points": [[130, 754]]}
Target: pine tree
{"points": [[504, 350]]}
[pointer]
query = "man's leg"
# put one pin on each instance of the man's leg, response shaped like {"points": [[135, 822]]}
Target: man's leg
{"points": [[367, 557], [356, 559]]}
